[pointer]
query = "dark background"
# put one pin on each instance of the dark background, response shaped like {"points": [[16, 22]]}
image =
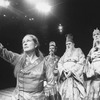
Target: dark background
{"points": [[78, 17]]}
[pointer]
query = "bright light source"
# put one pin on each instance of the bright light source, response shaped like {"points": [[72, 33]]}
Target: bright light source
{"points": [[60, 27], [25, 15], [31, 19], [4, 3], [34, 2], [7, 3], [31, 1], [43, 7], [4, 15]]}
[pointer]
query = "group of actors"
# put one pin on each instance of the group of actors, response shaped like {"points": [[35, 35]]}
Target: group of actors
{"points": [[73, 76]]}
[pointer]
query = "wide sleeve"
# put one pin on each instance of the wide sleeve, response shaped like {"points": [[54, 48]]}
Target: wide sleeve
{"points": [[44, 69], [9, 56], [89, 71], [81, 57], [79, 66]]}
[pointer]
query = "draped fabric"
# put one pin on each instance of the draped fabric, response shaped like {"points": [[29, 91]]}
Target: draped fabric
{"points": [[30, 77], [71, 75], [51, 77], [93, 74]]}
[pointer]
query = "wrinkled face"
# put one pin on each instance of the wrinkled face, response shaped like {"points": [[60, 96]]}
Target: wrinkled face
{"points": [[96, 36], [28, 44], [69, 45], [51, 49]]}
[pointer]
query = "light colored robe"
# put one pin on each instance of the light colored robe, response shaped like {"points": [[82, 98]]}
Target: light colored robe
{"points": [[72, 87], [92, 71]]}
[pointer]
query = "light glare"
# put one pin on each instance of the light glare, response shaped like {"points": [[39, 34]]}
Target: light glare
{"points": [[43, 7], [4, 3], [60, 27], [31, 1]]}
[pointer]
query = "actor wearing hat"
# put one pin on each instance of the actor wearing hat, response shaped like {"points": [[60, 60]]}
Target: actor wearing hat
{"points": [[70, 67], [93, 68], [51, 72]]}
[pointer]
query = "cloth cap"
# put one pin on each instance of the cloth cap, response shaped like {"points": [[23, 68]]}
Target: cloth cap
{"points": [[52, 43], [69, 38]]}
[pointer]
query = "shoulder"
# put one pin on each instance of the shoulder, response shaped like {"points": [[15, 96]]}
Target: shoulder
{"points": [[46, 57], [40, 61], [78, 49], [61, 58], [57, 57]]}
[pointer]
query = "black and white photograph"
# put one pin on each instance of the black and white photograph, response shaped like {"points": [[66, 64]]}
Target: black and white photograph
{"points": [[49, 50]]}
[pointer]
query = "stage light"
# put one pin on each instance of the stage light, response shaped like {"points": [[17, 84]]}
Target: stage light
{"points": [[31, 19], [43, 7], [4, 15], [25, 15], [4, 3], [32, 2], [60, 27]]}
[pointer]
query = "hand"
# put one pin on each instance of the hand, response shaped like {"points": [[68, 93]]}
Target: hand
{"points": [[1, 46], [55, 72], [68, 74]]}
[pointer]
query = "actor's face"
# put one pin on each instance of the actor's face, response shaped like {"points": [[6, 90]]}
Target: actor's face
{"points": [[51, 49], [96, 36], [28, 44], [69, 45]]}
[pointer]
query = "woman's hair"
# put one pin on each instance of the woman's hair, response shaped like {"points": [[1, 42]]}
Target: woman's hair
{"points": [[35, 39], [21, 61]]}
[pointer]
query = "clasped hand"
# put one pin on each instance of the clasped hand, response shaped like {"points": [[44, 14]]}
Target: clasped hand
{"points": [[67, 73]]}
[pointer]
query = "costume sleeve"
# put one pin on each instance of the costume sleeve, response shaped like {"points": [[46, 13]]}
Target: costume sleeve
{"points": [[81, 57], [45, 69], [88, 61], [60, 65], [56, 65], [9, 56], [89, 57], [78, 68], [89, 71]]}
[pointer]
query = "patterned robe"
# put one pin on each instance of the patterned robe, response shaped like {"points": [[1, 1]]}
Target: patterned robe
{"points": [[71, 86], [93, 74], [30, 77], [51, 76]]}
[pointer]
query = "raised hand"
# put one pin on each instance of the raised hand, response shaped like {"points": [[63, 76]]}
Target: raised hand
{"points": [[1, 46]]}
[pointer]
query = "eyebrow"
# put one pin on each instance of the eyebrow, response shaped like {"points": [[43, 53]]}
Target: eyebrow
{"points": [[68, 43]]}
